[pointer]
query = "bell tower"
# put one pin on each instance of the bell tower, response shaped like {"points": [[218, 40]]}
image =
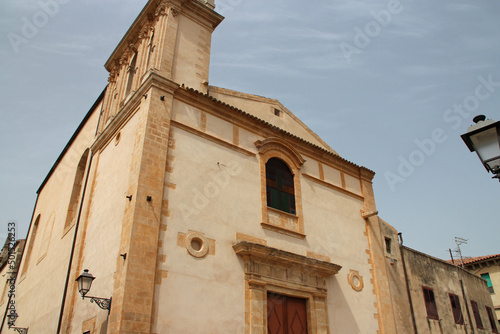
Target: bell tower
{"points": [[168, 45], [170, 38]]}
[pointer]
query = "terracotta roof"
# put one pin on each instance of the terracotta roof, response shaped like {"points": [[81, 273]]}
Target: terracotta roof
{"points": [[470, 260]]}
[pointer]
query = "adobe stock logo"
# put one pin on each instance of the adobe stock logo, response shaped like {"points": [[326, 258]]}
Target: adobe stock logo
{"points": [[212, 188], [31, 26], [454, 118], [363, 37]]}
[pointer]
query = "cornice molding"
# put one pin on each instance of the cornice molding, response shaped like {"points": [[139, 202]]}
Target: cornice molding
{"points": [[265, 129], [261, 253], [334, 187], [273, 102], [211, 138], [131, 106], [151, 14]]}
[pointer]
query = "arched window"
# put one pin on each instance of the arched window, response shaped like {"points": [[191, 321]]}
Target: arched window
{"points": [[150, 48], [77, 188], [29, 249], [280, 191], [279, 186], [131, 73]]}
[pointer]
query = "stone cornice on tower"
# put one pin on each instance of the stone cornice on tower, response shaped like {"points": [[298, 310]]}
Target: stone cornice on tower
{"points": [[199, 12]]}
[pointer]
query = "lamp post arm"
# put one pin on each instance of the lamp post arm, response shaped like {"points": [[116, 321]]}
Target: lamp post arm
{"points": [[104, 303]]}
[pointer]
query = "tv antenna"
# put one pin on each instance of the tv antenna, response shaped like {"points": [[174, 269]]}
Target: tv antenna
{"points": [[460, 241]]}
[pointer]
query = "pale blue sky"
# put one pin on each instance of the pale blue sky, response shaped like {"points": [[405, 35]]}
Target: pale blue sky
{"points": [[390, 85]]}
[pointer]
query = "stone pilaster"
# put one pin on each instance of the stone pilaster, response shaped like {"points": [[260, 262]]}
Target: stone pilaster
{"points": [[379, 273], [134, 283]]}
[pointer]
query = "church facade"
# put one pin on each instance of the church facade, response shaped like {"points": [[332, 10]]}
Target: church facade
{"points": [[202, 209]]}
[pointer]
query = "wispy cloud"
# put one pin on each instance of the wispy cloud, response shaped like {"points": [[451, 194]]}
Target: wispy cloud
{"points": [[67, 49], [423, 70], [461, 7]]}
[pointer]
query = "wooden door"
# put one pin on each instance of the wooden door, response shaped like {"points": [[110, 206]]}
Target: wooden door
{"points": [[286, 315]]}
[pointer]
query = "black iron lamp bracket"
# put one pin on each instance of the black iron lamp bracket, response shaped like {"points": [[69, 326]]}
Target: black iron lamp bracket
{"points": [[103, 303]]}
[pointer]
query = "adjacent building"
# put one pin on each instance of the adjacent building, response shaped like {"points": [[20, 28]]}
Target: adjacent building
{"points": [[488, 268], [203, 209], [10, 258], [434, 296]]}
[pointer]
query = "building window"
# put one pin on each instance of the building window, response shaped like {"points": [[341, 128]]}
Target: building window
{"points": [[77, 188], [150, 48], [388, 245], [280, 165], [131, 72], [430, 304], [456, 309], [486, 277], [277, 112], [286, 315], [477, 316], [492, 319], [29, 249], [279, 186]]}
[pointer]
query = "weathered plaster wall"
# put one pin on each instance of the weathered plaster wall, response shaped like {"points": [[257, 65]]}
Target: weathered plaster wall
{"points": [[397, 288], [445, 278], [493, 269], [476, 289]]}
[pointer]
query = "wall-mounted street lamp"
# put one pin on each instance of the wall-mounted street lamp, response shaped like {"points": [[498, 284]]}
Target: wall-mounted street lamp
{"points": [[484, 138], [20, 330], [84, 283]]}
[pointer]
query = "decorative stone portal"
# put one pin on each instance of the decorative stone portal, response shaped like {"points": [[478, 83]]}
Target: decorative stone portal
{"points": [[271, 270]]}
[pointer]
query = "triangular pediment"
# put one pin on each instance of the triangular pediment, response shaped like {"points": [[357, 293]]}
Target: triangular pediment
{"points": [[269, 110]]}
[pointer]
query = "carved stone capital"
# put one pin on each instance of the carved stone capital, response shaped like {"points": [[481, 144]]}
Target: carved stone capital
{"points": [[132, 48], [114, 73], [123, 59], [112, 77], [145, 31], [175, 11], [162, 9]]}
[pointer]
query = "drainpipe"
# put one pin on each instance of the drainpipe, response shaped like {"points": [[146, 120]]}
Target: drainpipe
{"points": [[463, 295], [407, 284], [68, 274], [466, 303]]}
